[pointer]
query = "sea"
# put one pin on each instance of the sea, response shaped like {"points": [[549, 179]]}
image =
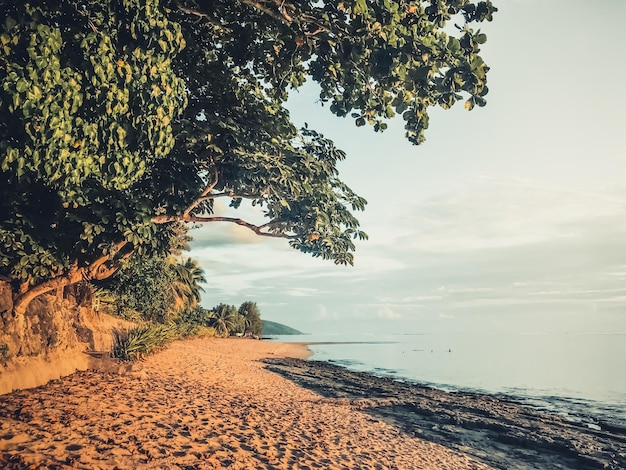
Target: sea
{"points": [[580, 376]]}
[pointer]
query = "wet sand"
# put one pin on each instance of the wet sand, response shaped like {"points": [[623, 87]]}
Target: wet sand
{"points": [[204, 404], [495, 430]]}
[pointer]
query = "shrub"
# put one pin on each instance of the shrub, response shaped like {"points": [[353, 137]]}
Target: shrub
{"points": [[133, 344], [194, 330]]}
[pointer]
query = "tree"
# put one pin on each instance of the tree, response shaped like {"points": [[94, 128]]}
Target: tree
{"points": [[251, 315], [225, 319], [143, 290], [121, 118], [187, 277], [155, 289], [73, 141]]}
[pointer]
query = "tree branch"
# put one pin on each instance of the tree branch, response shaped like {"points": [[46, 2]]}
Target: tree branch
{"points": [[258, 229], [283, 17], [103, 259], [281, 7], [230, 194], [73, 276], [204, 194], [199, 14]]}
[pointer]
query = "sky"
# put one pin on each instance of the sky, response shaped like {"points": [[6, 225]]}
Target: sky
{"points": [[510, 218]]}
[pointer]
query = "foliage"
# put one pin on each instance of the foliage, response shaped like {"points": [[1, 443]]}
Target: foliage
{"points": [[196, 316], [225, 319], [103, 300], [136, 343], [156, 289], [186, 280], [273, 328], [120, 119], [143, 290], [87, 100], [372, 59], [251, 315], [193, 330]]}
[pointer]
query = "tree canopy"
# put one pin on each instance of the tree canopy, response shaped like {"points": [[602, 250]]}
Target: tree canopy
{"points": [[121, 118], [153, 289]]}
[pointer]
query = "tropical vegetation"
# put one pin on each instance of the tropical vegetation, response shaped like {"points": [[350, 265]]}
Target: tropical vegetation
{"points": [[222, 320], [271, 328], [120, 120], [154, 289], [136, 343]]}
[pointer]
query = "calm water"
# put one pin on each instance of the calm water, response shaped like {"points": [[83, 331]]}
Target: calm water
{"points": [[571, 374]]}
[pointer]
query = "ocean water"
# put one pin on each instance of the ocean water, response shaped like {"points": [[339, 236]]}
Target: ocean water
{"points": [[575, 375]]}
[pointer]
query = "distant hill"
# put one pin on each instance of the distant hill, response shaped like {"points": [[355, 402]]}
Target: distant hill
{"points": [[273, 328]]}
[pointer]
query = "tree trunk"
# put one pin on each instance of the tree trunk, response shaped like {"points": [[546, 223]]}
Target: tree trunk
{"points": [[97, 270], [23, 300]]}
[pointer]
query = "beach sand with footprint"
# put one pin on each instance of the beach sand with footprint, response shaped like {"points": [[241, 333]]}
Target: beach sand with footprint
{"points": [[204, 404]]}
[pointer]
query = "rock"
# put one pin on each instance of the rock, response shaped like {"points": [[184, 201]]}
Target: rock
{"points": [[494, 430]]}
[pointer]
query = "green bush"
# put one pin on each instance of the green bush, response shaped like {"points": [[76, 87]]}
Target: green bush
{"points": [[197, 316], [136, 343], [133, 344], [186, 330]]}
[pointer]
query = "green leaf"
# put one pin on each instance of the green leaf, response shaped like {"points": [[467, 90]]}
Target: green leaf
{"points": [[22, 85], [480, 38], [106, 138], [454, 44]]}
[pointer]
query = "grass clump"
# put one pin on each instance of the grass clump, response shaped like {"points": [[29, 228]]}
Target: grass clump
{"points": [[134, 344], [193, 330]]}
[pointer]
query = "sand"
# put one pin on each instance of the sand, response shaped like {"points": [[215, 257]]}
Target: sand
{"points": [[205, 404], [498, 430]]}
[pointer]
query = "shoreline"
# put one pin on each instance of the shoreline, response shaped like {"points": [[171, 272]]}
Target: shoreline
{"points": [[589, 411], [204, 403], [497, 430]]}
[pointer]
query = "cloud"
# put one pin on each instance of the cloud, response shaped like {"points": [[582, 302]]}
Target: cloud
{"points": [[505, 218], [302, 292], [388, 314], [323, 314], [490, 214], [416, 299]]}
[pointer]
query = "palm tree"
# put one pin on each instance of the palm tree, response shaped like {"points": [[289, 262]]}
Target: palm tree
{"points": [[186, 288], [249, 311], [224, 319]]}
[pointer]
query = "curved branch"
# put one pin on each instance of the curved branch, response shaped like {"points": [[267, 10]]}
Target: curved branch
{"points": [[204, 194], [283, 17], [97, 270], [258, 229], [230, 194], [97, 264], [166, 219], [73, 275]]}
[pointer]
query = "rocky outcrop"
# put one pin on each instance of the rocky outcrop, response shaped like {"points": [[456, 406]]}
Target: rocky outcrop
{"points": [[52, 339], [499, 432]]}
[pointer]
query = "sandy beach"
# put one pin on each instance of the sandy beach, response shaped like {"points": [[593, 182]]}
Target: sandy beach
{"points": [[203, 404]]}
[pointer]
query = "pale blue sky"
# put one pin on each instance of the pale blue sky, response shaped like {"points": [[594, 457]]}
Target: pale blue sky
{"points": [[509, 218]]}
